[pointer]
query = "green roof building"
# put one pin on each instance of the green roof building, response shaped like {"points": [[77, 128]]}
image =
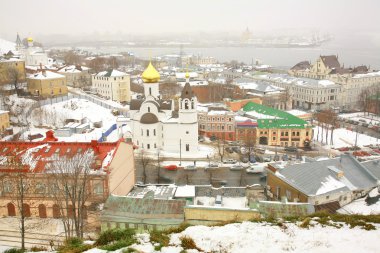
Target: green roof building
{"points": [[278, 128]]}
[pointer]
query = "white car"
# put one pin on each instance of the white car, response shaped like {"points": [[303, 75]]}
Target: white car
{"points": [[230, 161], [190, 167], [236, 167], [256, 168]]}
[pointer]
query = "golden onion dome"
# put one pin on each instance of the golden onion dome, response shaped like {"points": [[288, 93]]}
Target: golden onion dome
{"points": [[150, 74], [187, 75], [30, 39]]}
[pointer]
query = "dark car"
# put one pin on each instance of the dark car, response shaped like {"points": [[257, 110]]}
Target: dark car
{"points": [[291, 149]]}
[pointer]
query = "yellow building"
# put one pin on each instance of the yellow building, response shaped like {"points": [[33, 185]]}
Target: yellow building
{"points": [[6, 77], [279, 128], [47, 84], [4, 121]]}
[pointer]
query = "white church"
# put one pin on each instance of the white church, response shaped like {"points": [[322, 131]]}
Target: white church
{"points": [[33, 56], [154, 123]]}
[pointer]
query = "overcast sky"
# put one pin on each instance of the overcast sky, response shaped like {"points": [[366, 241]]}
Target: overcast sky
{"points": [[76, 17]]}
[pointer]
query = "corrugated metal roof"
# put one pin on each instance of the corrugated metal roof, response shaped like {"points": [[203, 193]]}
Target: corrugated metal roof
{"points": [[308, 177], [121, 205]]}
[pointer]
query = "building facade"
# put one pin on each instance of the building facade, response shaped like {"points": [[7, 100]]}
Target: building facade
{"points": [[217, 123], [156, 125], [352, 81], [76, 76], [113, 85], [8, 78], [279, 128], [47, 84], [109, 173], [4, 121], [326, 184]]}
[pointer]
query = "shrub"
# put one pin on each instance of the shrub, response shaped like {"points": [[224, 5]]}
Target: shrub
{"points": [[129, 250], [73, 245], [113, 235], [159, 237], [37, 249], [14, 250], [178, 229], [119, 244], [305, 223], [188, 243]]}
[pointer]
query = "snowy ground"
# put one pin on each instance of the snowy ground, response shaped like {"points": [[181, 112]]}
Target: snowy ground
{"points": [[261, 237], [346, 138], [360, 206], [52, 116], [369, 118], [202, 152]]}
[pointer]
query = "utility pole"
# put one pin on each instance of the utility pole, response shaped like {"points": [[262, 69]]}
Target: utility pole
{"points": [[356, 138], [180, 152]]}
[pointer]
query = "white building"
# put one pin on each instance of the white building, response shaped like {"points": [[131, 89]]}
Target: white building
{"points": [[34, 56], [113, 85], [155, 125], [76, 76]]}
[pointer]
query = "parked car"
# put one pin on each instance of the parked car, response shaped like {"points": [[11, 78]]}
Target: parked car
{"points": [[291, 149], [212, 166], [256, 168], [236, 149], [190, 167], [229, 150], [171, 167], [267, 159], [213, 138], [230, 161], [236, 167], [244, 159]]}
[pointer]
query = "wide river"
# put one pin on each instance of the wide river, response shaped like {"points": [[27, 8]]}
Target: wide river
{"points": [[352, 51]]}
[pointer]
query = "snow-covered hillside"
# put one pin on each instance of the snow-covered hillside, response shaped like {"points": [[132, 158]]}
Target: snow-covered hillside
{"points": [[5, 46], [249, 237]]}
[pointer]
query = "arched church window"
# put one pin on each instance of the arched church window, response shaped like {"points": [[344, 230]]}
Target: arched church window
{"points": [[192, 104], [187, 147], [148, 108], [150, 91], [186, 104]]}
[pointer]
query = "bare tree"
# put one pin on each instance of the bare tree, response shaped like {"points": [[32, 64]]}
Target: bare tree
{"points": [[71, 58], [221, 147], [14, 78], [145, 160], [286, 97], [18, 185], [98, 64], [364, 99], [70, 182]]}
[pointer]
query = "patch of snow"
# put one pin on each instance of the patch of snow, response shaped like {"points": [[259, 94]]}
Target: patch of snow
{"points": [[329, 185]]}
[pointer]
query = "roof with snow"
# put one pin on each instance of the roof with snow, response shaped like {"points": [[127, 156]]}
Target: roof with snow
{"points": [[72, 69], [340, 174], [36, 155], [45, 75], [111, 73], [259, 86], [268, 117]]}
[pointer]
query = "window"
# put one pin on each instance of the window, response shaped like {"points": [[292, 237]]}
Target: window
{"points": [[150, 91], [142, 132], [42, 211], [147, 132], [98, 188], [11, 209], [187, 132], [327, 197], [154, 132], [148, 108], [187, 147], [40, 188], [148, 146]]}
